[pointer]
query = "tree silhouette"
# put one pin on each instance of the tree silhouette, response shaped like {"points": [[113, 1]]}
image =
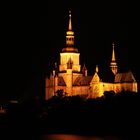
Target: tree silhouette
{"points": [[60, 93]]}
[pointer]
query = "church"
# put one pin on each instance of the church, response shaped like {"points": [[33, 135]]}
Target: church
{"points": [[73, 79]]}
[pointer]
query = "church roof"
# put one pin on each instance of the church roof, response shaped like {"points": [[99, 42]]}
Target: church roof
{"points": [[61, 81], [124, 77], [82, 81], [70, 49]]}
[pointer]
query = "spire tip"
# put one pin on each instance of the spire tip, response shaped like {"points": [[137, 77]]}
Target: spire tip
{"points": [[97, 69]]}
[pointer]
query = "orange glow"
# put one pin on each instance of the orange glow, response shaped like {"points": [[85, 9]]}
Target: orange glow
{"points": [[73, 81], [113, 63], [70, 33], [64, 57], [2, 110]]}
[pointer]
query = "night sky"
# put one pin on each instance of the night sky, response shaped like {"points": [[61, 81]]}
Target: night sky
{"points": [[96, 25], [34, 36]]}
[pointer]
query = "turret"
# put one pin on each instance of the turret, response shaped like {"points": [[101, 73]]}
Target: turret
{"points": [[84, 70]]}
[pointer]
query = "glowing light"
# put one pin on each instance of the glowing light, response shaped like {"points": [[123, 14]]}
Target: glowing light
{"points": [[70, 33]]}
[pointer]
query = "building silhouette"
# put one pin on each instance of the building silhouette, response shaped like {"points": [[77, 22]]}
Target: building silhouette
{"points": [[74, 80]]}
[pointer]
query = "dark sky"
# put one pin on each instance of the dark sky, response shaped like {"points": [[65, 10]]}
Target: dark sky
{"points": [[96, 25], [35, 34]]}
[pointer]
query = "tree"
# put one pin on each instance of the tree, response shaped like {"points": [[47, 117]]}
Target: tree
{"points": [[60, 93]]}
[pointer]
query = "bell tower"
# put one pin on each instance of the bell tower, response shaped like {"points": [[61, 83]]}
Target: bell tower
{"points": [[69, 52], [70, 34], [113, 64]]}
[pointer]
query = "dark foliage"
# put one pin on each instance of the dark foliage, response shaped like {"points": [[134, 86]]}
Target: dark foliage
{"points": [[110, 114]]}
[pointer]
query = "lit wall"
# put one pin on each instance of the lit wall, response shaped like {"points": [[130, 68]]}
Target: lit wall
{"points": [[64, 57]]}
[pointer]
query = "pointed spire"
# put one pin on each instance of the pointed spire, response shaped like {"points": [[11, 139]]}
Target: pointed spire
{"points": [[113, 52], [70, 33], [84, 70], [84, 67], [97, 69], [113, 63], [70, 38], [70, 25]]}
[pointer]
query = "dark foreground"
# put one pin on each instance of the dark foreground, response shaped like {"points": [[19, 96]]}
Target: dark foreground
{"points": [[108, 116]]}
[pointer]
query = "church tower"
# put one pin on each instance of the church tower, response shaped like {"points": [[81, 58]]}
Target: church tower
{"points": [[113, 64], [72, 80], [70, 34], [69, 52]]}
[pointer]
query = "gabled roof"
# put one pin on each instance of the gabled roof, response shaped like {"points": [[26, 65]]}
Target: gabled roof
{"points": [[95, 78], [61, 81], [124, 77], [82, 81]]}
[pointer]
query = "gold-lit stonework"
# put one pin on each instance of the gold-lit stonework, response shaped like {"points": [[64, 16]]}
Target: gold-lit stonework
{"points": [[74, 80], [113, 63], [70, 33]]}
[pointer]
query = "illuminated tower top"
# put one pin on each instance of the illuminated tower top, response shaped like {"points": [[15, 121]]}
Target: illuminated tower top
{"points": [[70, 38], [113, 53], [97, 69], [113, 63], [69, 57], [70, 32]]}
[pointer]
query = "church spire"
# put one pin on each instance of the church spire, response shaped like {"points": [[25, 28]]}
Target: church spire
{"points": [[84, 70], [70, 38], [113, 63], [113, 53], [70, 33], [97, 69], [70, 25]]}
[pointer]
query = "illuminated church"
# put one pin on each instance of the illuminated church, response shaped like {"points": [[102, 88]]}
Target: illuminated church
{"points": [[73, 79]]}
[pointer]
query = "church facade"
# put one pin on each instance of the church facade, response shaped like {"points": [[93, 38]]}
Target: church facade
{"points": [[74, 80]]}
